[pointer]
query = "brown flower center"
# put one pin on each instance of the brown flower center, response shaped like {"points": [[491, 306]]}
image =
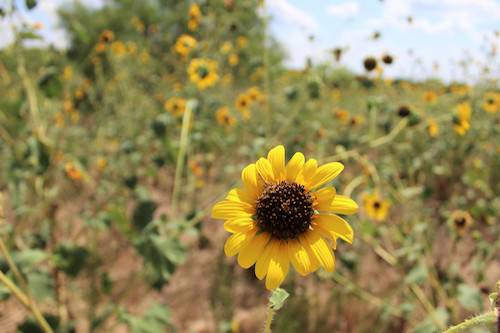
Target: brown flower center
{"points": [[285, 210]]}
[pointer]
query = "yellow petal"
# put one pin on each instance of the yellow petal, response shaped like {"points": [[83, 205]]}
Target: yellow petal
{"points": [[249, 178], [324, 198], [335, 226], [249, 254], [278, 266], [294, 166], [239, 225], [343, 205], [265, 170], [235, 242], [326, 173], [262, 264], [227, 209], [299, 257], [276, 157], [309, 169], [242, 196], [320, 249]]}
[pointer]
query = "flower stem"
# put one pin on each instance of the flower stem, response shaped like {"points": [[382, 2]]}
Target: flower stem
{"points": [[269, 319], [183, 143], [465, 326]]}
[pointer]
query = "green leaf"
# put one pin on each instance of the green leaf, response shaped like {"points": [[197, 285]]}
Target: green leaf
{"points": [[277, 298], [156, 319], [143, 214], [469, 297], [417, 275], [26, 259], [41, 285], [70, 258], [428, 325]]}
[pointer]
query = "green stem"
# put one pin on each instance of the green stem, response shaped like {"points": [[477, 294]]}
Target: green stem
{"points": [[482, 319], [269, 319], [184, 140]]}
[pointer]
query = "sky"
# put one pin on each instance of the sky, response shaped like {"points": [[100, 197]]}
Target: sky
{"points": [[442, 31]]}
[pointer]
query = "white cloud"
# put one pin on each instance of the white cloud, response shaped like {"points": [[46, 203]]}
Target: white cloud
{"points": [[346, 9], [282, 10]]}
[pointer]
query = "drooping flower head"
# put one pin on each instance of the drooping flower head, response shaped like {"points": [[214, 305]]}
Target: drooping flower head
{"points": [[282, 214]]}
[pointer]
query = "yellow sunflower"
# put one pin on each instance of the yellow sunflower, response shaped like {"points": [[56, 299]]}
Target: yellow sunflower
{"points": [[203, 73], [430, 97], [375, 207], [224, 117], [281, 215], [461, 121], [175, 105], [491, 102], [461, 221], [184, 45], [432, 127]]}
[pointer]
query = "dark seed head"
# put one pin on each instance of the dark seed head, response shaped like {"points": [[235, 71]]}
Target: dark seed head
{"points": [[285, 210], [376, 205], [404, 111], [370, 63], [460, 222], [387, 59]]}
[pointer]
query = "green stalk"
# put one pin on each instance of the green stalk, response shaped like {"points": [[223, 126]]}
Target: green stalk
{"points": [[480, 320], [183, 144]]}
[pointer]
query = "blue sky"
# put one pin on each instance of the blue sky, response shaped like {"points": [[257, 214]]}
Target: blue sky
{"points": [[445, 31]]}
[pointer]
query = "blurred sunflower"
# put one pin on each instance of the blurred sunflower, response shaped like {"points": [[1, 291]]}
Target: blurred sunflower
{"points": [[242, 104], [430, 97], [280, 215], [184, 45], [224, 117], [370, 63], [242, 42], [461, 221], [72, 171], [376, 207], [233, 59], [194, 17], [342, 115], [203, 72], [387, 59], [175, 105], [491, 102], [404, 111], [254, 94], [461, 120], [432, 127], [106, 36], [357, 120]]}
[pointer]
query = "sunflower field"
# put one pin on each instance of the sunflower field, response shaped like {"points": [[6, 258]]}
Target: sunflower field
{"points": [[168, 172]]}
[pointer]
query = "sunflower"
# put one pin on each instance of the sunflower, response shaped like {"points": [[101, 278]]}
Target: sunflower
{"points": [[430, 97], [184, 45], [432, 127], [194, 17], [342, 115], [375, 207], [175, 105], [106, 36], [224, 117], [281, 215], [242, 102], [491, 102], [203, 73], [461, 221], [404, 111], [387, 59], [72, 171], [370, 63], [461, 121], [233, 59]]}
